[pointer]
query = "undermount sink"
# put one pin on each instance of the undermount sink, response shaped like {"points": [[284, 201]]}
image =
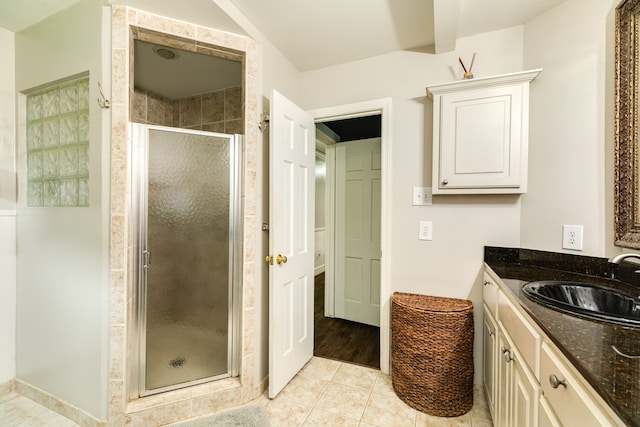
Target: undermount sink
{"points": [[593, 301]]}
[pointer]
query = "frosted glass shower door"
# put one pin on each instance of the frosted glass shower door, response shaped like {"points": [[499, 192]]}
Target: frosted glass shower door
{"points": [[187, 257]]}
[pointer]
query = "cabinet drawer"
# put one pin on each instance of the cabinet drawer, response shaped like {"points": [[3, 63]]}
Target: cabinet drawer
{"points": [[523, 335], [569, 401], [490, 295]]}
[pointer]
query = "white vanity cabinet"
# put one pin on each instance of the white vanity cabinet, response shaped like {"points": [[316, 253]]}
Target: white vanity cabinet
{"points": [[489, 345], [480, 134], [519, 390], [570, 402], [511, 388], [528, 381]]}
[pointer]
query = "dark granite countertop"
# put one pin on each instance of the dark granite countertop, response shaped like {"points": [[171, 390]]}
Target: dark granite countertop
{"points": [[586, 343]]}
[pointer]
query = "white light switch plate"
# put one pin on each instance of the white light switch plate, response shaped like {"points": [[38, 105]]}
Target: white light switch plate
{"points": [[572, 237], [422, 196]]}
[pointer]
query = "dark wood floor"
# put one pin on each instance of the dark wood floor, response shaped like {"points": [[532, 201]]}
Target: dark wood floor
{"points": [[341, 339]]}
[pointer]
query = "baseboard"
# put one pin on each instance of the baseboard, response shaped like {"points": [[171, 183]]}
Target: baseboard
{"points": [[261, 386], [65, 409], [8, 387]]}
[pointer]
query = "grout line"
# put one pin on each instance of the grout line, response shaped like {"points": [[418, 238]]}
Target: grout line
{"points": [[315, 404]]}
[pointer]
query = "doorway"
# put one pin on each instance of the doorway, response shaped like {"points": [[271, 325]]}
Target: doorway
{"points": [[354, 341], [185, 221]]}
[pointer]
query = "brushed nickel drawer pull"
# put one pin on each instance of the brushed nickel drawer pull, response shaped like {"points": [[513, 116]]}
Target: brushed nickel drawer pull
{"points": [[555, 382]]}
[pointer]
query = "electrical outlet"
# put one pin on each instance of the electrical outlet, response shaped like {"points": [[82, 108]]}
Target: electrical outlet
{"points": [[572, 237], [422, 196], [426, 230]]}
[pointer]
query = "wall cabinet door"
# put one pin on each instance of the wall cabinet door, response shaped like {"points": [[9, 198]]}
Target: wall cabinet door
{"points": [[480, 139], [480, 134]]}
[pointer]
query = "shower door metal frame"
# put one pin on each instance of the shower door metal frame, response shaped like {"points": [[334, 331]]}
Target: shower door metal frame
{"points": [[139, 141]]}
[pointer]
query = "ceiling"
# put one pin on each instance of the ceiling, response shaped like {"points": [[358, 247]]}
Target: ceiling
{"points": [[160, 75], [316, 34], [312, 34], [18, 15]]}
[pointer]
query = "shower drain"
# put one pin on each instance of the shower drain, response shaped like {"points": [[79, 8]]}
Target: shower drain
{"points": [[178, 362]]}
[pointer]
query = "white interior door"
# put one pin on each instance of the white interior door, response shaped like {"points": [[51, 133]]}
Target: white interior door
{"points": [[358, 207], [291, 246]]}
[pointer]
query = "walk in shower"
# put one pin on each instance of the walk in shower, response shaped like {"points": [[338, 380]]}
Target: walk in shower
{"points": [[186, 220]]}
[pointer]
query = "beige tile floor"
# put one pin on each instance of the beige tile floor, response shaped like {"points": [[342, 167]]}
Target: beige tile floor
{"points": [[17, 410], [325, 393]]}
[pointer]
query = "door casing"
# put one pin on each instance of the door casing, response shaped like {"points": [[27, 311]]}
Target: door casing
{"points": [[361, 109]]}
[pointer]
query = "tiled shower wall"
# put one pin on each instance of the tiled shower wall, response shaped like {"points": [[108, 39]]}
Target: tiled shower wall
{"points": [[219, 111], [174, 406]]}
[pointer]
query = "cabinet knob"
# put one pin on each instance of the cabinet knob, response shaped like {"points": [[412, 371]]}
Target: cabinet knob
{"points": [[486, 282], [507, 356], [491, 333], [555, 382], [445, 181]]}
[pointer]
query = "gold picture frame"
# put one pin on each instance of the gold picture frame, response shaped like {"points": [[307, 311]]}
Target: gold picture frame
{"points": [[627, 176]]}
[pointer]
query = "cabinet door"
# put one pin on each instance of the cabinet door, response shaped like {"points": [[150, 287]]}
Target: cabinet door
{"points": [[480, 139], [524, 402], [546, 417], [505, 381], [490, 350]]}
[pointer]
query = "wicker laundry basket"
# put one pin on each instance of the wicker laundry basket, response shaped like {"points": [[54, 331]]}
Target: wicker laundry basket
{"points": [[432, 353]]}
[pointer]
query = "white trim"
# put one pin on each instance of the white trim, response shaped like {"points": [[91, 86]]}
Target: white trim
{"points": [[319, 269], [329, 237], [56, 404], [377, 106]]}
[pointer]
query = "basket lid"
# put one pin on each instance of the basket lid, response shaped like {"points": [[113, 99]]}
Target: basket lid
{"points": [[432, 303]]}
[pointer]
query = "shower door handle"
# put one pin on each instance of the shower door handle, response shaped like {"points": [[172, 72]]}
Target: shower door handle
{"points": [[146, 263]]}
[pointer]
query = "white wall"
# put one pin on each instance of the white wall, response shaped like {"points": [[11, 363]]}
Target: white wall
{"points": [[7, 210], [569, 131], [62, 269], [449, 265]]}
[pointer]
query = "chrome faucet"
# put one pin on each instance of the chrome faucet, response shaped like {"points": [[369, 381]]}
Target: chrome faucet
{"points": [[619, 258]]}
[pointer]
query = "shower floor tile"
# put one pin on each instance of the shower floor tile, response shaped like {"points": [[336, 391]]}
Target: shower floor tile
{"points": [[308, 400], [178, 354]]}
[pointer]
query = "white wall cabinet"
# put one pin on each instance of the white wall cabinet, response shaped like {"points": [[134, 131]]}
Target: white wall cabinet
{"points": [[528, 381], [480, 134]]}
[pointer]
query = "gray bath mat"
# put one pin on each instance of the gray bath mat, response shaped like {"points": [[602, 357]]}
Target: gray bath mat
{"points": [[248, 416]]}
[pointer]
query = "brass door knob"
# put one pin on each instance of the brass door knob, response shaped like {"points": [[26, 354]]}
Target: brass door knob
{"points": [[280, 259]]}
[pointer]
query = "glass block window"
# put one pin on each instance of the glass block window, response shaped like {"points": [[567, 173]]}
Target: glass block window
{"points": [[58, 145]]}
